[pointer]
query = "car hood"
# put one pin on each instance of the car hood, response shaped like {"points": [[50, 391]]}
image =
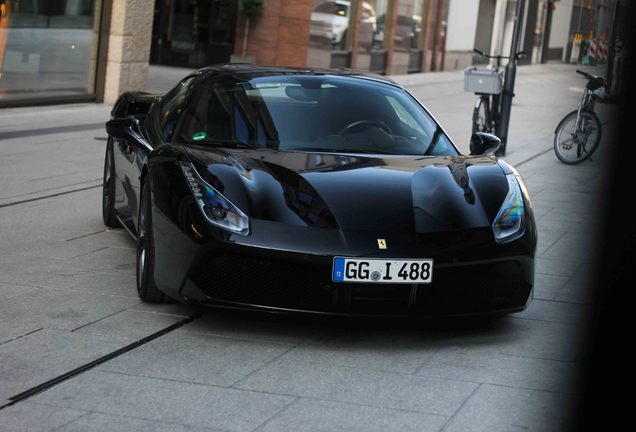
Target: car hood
{"points": [[353, 192]]}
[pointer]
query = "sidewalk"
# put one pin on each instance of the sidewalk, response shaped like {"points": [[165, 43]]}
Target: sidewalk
{"points": [[68, 297]]}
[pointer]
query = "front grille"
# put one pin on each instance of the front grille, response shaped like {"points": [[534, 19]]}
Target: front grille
{"points": [[250, 280], [465, 289], [456, 290]]}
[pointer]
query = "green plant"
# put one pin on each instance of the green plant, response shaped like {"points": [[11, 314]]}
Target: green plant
{"points": [[251, 7]]}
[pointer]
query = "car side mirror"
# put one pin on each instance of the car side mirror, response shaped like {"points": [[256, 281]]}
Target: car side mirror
{"points": [[483, 143], [123, 128]]}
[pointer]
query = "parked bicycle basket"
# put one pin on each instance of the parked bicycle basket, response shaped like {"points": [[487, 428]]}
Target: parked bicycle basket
{"points": [[483, 80]]}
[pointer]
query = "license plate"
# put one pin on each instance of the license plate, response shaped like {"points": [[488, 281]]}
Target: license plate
{"points": [[371, 270]]}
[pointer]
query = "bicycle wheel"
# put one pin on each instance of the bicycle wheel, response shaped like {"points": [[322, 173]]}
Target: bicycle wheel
{"points": [[574, 146], [481, 116]]}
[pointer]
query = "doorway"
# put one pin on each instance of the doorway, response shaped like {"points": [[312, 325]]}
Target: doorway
{"points": [[193, 33]]}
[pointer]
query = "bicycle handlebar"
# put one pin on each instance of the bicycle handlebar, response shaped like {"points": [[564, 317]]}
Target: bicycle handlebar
{"points": [[590, 77], [520, 54]]}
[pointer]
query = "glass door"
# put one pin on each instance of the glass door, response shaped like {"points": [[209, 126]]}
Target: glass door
{"points": [[193, 33]]}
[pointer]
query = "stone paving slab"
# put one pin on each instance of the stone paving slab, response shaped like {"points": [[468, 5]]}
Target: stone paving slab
{"points": [[61, 310], [493, 408], [197, 358], [368, 387], [485, 367], [306, 415], [30, 417], [255, 327], [99, 422], [46, 354], [166, 401], [129, 323]]}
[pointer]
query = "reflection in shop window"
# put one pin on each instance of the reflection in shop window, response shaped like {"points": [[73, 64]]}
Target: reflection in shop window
{"points": [[329, 33], [329, 24], [48, 48]]}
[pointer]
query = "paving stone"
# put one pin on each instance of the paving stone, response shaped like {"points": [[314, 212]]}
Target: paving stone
{"points": [[315, 415], [402, 352], [495, 408], [61, 310], [115, 259], [98, 422], [174, 309], [11, 332], [283, 329], [380, 389], [577, 290], [46, 354], [67, 216], [547, 238], [484, 366], [197, 358], [567, 313], [30, 417], [39, 272], [165, 401], [8, 291], [546, 286], [520, 337], [52, 248], [557, 267], [130, 324]]}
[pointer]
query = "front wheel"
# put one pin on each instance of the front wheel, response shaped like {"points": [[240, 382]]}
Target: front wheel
{"points": [[146, 287], [574, 144], [481, 116], [109, 214]]}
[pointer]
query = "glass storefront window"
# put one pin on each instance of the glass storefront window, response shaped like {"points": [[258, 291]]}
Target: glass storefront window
{"points": [[371, 53], [328, 35], [409, 38], [48, 49]]}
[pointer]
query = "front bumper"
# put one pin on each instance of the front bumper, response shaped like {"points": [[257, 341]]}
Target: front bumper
{"points": [[471, 275], [261, 282]]}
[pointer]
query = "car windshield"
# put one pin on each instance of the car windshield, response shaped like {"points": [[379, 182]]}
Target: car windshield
{"points": [[326, 113]]}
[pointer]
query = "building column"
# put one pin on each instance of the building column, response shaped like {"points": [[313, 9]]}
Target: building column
{"points": [[128, 51]]}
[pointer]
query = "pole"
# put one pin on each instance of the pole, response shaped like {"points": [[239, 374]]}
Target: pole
{"points": [[548, 26], [437, 42], [509, 81]]}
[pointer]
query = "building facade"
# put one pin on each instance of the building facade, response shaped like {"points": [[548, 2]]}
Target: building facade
{"points": [[92, 50]]}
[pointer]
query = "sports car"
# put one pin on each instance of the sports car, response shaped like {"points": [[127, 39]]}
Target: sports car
{"points": [[317, 191]]}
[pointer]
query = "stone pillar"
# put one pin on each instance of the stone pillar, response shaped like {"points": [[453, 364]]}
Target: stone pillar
{"points": [[128, 47]]}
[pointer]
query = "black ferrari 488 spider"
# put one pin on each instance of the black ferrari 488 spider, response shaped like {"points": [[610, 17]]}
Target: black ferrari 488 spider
{"points": [[316, 191]]}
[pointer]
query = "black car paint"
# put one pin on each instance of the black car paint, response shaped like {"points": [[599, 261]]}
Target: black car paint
{"points": [[302, 213]]}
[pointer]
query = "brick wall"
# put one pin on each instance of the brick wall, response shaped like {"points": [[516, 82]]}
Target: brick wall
{"points": [[280, 35]]}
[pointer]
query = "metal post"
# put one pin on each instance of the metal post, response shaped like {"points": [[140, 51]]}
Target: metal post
{"points": [[509, 86], [545, 49]]}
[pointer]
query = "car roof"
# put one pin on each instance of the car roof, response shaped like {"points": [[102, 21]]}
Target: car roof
{"points": [[246, 71]]}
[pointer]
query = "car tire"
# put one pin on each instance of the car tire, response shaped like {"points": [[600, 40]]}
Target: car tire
{"points": [[109, 214], [146, 287]]}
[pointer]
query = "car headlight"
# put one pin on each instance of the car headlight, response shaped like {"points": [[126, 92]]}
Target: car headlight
{"points": [[509, 224], [217, 209]]}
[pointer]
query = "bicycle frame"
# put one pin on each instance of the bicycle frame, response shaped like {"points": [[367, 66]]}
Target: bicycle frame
{"points": [[494, 100], [587, 103]]}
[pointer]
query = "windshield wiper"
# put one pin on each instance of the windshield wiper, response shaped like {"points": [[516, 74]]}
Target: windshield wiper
{"points": [[219, 143], [338, 150]]}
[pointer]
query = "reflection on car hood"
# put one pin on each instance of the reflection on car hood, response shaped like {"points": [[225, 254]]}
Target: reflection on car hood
{"points": [[379, 193]]}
